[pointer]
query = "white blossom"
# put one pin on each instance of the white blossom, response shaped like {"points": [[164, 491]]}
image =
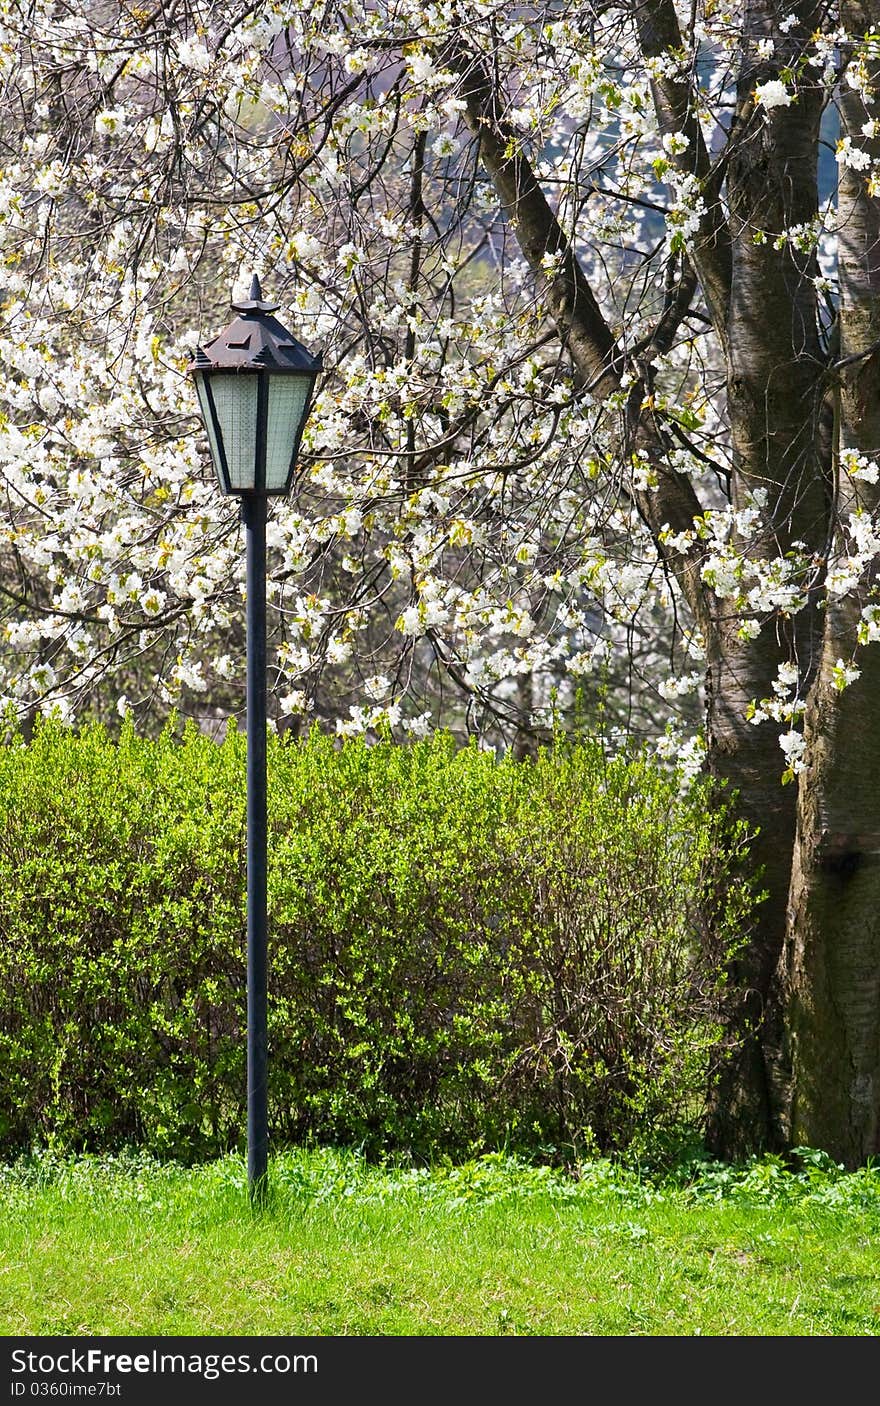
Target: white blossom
{"points": [[855, 157], [193, 54], [153, 602], [410, 621], [674, 143], [377, 686], [843, 675], [793, 745], [772, 94]]}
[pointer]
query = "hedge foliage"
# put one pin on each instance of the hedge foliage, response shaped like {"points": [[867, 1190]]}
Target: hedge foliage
{"points": [[465, 953]]}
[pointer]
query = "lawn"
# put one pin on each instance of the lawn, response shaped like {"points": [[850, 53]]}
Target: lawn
{"points": [[129, 1246]]}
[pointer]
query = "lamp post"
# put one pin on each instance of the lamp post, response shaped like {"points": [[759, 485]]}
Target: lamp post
{"points": [[255, 384]]}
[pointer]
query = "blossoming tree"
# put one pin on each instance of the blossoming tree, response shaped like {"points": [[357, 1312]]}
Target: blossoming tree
{"points": [[602, 403]]}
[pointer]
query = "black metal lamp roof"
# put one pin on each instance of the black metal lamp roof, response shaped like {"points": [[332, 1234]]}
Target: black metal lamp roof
{"points": [[255, 341]]}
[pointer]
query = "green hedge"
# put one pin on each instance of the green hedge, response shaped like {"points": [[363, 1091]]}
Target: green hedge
{"points": [[465, 953]]}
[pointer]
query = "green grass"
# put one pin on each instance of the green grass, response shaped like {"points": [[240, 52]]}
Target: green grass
{"points": [[130, 1246]]}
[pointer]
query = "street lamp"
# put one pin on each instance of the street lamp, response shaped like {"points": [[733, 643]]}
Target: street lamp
{"points": [[255, 384]]}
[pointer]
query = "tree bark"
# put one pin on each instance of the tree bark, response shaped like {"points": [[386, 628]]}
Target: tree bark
{"points": [[775, 369], [829, 972]]}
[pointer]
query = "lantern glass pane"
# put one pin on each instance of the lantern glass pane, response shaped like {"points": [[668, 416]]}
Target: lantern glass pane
{"points": [[209, 426], [235, 399], [287, 401]]}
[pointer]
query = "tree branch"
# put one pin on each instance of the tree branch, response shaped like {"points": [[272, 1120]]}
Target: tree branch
{"points": [[597, 356], [575, 311], [659, 32]]}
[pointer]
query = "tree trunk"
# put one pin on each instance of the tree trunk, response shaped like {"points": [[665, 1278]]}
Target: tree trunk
{"points": [[775, 367], [742, 1105], [829, 974], [830, 969]]}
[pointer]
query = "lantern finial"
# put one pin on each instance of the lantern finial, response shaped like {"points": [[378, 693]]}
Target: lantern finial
{"points": [[254, 303]]}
